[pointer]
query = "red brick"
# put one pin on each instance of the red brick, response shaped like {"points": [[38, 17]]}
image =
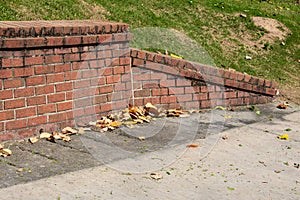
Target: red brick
{"points": [[47, 69], [120, 87], [89, 73], [183, 82], [72, 57], [73, 40], [6, 94], [24, 92], [118, 70], [159, 76], [105, 71], [92, 39], [113, 79], [48, 108], [150, 85], [104, 54], [124, 61], [78, 103], [36, 100], [34, 60], [54, 41], [176, 90], [37, 120], [206, 104], [1, 129], [35, 42], [230, 95], [185, 97], [35, 80], [12, 62], [53, 59], [14, 103], [98, 81], [142, 93], [64, 106], [105, 38], [169, 70], [106, 89], [200, 97], [167, 83], [55, 78], [22, 72], [5, 73], [62, 68], [188, 90], [16, 124], [141, 77], [160, 92], [25, 112], [59, 117], [13, 43], [47, 89], [6, 136], [168, 99], [56, 97], [72, 75], [138, 62], [64, 86], [270, 91], [6, 115], [100, 99], [247, 78], [106, 107], [215, 95], [231, 83], [82, 84]]}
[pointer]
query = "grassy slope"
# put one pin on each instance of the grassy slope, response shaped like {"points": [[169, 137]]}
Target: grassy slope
{"points": [[212, 23]]}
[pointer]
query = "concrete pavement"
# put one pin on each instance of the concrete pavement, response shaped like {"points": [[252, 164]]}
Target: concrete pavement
{"points": [[249, 163]]}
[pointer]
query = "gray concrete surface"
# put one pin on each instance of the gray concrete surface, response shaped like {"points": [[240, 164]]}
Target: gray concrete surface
{"points": [[251, 164]]}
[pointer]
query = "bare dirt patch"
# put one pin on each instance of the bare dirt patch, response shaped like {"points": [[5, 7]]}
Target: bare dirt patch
{"points": [[96, 10], [275, 30]]}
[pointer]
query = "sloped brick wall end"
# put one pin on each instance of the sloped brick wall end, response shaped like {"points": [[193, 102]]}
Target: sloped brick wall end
{"points": [[174, 82], [54, 73]]}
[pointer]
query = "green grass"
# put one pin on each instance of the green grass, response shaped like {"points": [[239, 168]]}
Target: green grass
{"points": [[214, 28]]}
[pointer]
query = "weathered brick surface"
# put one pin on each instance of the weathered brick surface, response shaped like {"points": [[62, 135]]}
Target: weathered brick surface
{"points": [[58, 73], [56, 68]]}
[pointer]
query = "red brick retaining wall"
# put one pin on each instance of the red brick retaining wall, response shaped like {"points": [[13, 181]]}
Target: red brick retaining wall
{"points": [[58, 73]]}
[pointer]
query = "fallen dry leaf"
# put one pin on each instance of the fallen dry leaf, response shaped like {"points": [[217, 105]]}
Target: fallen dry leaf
{"points": [[156, 176], [283, 137], [33, 140], [20, 170], [283, 105], [192, 146], [277, 171], [225, 137], [115, 124], [1, 146], [80, 130], [69, 130], [45, 135], [5, 152], [142, 138]]}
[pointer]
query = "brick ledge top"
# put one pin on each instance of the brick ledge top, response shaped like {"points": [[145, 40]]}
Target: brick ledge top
{"points": [[12, 29]]}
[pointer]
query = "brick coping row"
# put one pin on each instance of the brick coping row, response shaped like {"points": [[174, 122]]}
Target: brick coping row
{"points": [[188, 69]]}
